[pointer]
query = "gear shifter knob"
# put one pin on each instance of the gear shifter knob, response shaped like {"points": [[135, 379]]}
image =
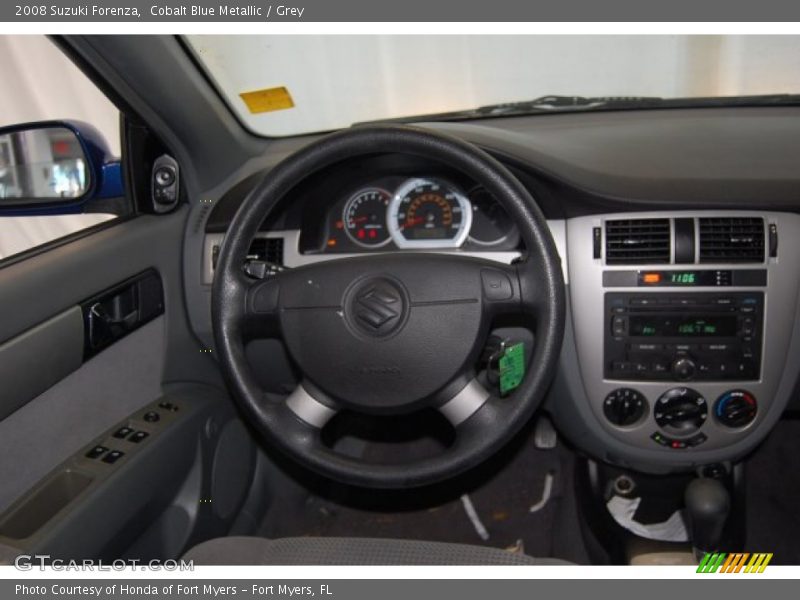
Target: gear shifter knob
{"points": [[707, 506]]}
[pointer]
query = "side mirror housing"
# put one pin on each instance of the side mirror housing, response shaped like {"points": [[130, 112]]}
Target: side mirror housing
{"points": [[55, 167]]}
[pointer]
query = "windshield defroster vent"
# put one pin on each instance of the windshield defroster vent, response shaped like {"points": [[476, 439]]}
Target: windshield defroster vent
{"points": [[637, 241], [735, 239]]}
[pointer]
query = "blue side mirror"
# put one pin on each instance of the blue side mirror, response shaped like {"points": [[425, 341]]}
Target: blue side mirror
{"points": [[55, 167]]}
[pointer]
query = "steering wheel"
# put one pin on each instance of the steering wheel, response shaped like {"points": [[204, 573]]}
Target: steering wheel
{"points": [[388, 333]]}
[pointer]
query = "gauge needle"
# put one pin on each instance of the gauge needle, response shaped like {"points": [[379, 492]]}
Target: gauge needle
{"points": [[412, 222]]}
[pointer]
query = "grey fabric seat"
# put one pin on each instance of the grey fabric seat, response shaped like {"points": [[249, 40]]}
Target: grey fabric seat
{"points": [[351, 551]]}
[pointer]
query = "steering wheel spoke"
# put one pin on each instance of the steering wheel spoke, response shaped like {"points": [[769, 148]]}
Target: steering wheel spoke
{"points": [[311, 405], [465, 403]]}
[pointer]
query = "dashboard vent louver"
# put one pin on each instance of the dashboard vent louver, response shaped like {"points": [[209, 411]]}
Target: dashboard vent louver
{"points": [[733, 239], [637, 241], [269, 250]]}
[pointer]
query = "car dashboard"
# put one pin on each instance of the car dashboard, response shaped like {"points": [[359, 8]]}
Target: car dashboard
{"points": [[679, 238]]}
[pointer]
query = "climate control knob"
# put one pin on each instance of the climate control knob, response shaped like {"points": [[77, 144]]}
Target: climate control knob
{"points": [[624, 406], [683, 369], [736, 408], [681, 411]]}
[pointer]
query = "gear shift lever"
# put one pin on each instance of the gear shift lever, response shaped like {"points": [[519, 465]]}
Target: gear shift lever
{"points": [[707, 506]]}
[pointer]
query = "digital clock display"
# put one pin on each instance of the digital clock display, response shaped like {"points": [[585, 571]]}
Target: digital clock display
{"points": [[683, 278], [696, 278]]}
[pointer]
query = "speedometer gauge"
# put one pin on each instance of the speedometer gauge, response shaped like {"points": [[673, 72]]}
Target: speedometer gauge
{"points": [[364, 217], [428, 213]]}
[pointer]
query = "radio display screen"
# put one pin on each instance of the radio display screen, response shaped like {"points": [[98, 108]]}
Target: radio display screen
{"points": [[677, 326]]}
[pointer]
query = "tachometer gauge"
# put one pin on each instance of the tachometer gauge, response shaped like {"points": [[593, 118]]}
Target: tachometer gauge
{"points": [[364, 217], [427, 213]]}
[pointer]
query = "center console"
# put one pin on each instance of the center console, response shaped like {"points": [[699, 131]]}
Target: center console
{"points": [[684, 332]]}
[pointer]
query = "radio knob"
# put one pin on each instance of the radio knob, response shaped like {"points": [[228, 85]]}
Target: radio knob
{"points": [[736, 408], [683, 369], [680, 411]]}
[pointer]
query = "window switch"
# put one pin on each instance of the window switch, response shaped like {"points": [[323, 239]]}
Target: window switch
{"points": [[96, 452], [168, 406], [138, 437], [123, 432], [113, 457]]}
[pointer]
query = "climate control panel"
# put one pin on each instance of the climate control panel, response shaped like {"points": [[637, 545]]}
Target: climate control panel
{"points": [[680, 414]]}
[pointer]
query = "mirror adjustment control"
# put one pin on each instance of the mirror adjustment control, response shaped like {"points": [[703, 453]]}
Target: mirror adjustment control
{"points": [[168, 406], [151, 416]]}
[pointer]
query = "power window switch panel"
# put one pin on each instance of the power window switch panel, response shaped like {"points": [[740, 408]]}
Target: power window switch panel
{"points": [[138, 437], [96, 452], [113, 457], [123, 432]]}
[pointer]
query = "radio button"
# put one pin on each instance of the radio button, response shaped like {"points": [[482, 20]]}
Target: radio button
{"points": [[717, 348], [684, 348], [744, 368], [646, 348], [619, 326], [621, 367], [641, 368], [683, 301], [644, 301], [704, 368], [660, 367]]}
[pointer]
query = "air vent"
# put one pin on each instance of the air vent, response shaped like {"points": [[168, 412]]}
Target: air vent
{"points": [[736, 239], [269, 250], [637, 241]]}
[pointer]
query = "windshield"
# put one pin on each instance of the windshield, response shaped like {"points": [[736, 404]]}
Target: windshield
{"points": [[290, 85]]}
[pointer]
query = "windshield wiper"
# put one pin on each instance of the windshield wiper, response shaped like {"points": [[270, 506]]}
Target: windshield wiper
{"points": [[561, 104]]}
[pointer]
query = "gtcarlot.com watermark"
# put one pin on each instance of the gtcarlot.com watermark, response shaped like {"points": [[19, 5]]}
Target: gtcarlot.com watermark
{"points": [[28, 562]]}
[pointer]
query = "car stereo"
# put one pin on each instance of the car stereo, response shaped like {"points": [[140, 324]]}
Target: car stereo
{"points": [[683, 337]]}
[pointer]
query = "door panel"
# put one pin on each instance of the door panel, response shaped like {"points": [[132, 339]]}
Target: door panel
{"points": [[44, 301], [35, 360]]}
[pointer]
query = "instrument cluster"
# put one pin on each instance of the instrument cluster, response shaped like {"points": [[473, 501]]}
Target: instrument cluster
{"points": [[418, 213]]}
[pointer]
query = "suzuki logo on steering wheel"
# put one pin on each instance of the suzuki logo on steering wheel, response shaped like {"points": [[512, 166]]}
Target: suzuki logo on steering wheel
{"points": [[375, 306]]}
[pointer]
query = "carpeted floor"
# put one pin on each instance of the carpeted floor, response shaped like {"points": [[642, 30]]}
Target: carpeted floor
{"points": [[773, 495], [501, 492]]}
